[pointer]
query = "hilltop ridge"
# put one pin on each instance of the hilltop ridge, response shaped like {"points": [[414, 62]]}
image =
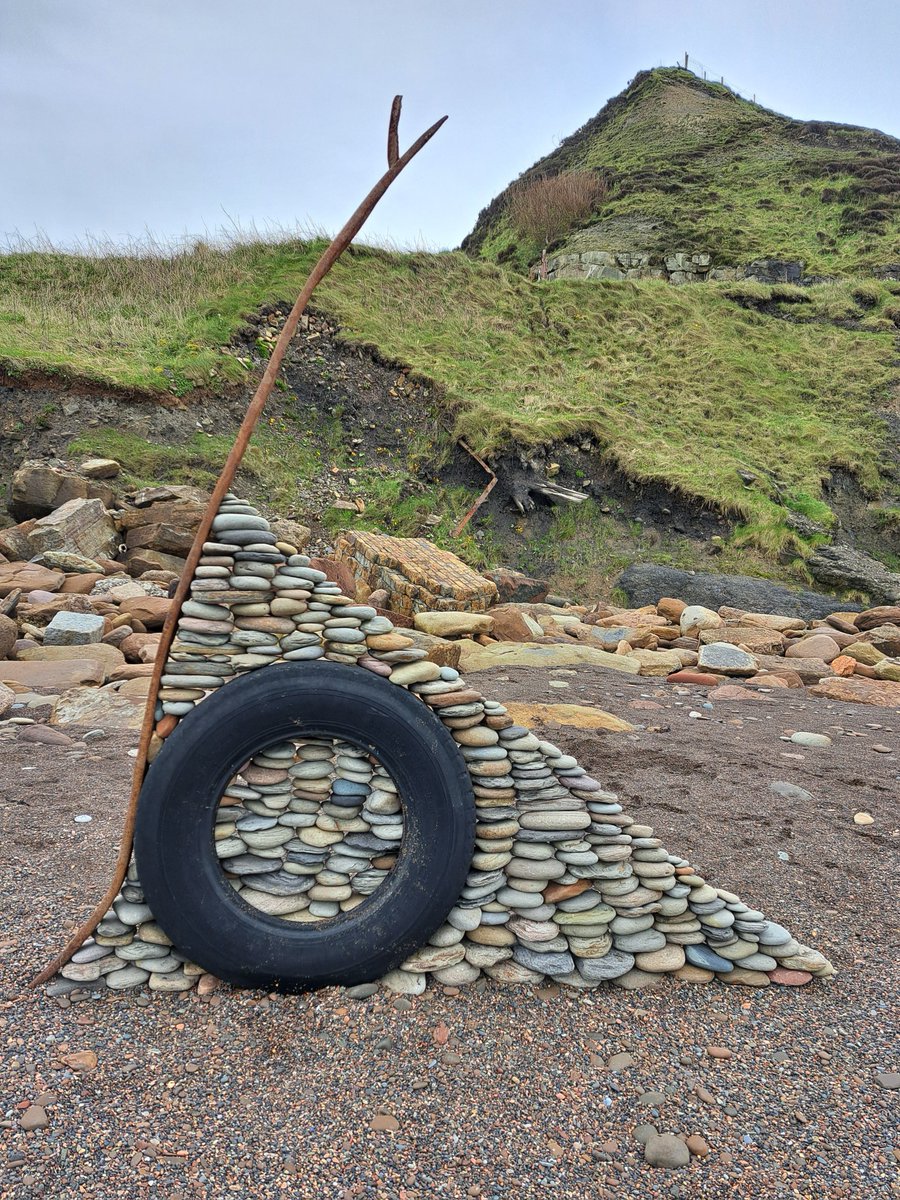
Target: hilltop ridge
{"points": [[692, 166]]}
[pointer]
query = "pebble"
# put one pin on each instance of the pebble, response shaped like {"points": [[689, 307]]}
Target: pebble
{"points": [[666, 1150], [812, 740]]}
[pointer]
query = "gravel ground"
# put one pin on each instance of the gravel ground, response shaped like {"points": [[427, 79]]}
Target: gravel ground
{"points": [[494, 1092]]}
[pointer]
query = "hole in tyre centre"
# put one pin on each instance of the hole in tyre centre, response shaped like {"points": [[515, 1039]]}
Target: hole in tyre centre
{"points": [[308, 828]]}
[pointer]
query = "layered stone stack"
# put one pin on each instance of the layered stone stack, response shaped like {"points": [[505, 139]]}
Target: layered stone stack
{"points": [[563, 884], [415, 573]]}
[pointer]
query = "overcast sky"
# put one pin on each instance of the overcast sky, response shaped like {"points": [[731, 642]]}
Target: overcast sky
{"points": [[179, 117]]}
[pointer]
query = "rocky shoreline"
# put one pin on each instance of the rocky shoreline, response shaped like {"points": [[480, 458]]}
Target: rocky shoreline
{"points": [[564, 885]]}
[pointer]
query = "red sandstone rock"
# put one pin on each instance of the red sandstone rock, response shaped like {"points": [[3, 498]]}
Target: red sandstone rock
{"points": [[56, 675], [337, 572], [81, 583], [769, 681], [670, 608], [510, 624], [733, 691], [151, 611], [788, 978], [843, 665], [817, 645], [884, 614], [565, 891], [859, 691], [28, 576], [699, 677]]}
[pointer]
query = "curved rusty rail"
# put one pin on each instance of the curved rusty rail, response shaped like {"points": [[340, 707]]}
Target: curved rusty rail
{"points": [[396, 163]]}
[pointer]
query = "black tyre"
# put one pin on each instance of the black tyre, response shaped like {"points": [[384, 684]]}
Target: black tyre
{"points": [[180, 874]]}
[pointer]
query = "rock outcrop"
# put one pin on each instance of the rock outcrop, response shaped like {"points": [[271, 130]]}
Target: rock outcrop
{"points": [[844, 567], [644, 583]]}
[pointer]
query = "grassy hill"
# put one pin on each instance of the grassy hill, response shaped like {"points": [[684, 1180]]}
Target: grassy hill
{"points": [[741, 397], [689, 386], [692, 166]]}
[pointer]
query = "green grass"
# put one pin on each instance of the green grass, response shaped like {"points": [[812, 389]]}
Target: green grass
{"points": [[585, 550], [685, 386], [151, 320], [280, 454], [147, 464], [695, 167]]}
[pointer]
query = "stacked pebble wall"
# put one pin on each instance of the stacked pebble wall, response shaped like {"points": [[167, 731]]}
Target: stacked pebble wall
{"points": [[563, 883]]}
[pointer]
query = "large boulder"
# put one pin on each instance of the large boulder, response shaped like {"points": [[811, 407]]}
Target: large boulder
{"points": [[844, 567], [15, 540], [529, 654], [116, 706], [417, 575], [515, 588], [855, 690], [453, 624], [38, 489], [73, 629], [28, 577], [79, 526], [139, 561], [646, 583], [884, 614], [108, 657], [52, 676]]}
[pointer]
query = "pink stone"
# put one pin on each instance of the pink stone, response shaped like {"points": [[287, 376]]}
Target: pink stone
{"points": [[790, 978], [698, 677], [373, 665]]}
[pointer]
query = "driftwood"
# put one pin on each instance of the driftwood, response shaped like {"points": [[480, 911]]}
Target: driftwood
{"points": [[523, 486], [396, 163]]}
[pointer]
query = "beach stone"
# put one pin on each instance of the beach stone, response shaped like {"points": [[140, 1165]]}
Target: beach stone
{"points": [[453, 624], [554, 821], [817, 645], [694, 974], [28, 577], [487, 956], [666, 1150], [127, 977], [669, 958], [704, 957], [695, 617], [553, 963], [725, 659], [611, 966], [645, 941], [788, 978], [590, 947], [513, 972], [811, 740], [459, 974], [636, 980], [73, 629], [774, 935], [492, 935], [34, 1117], [433, 958], [746, 978]]}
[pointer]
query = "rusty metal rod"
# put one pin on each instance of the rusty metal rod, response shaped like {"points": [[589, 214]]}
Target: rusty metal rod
{"points": [[319, 271], [484, 495]]}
